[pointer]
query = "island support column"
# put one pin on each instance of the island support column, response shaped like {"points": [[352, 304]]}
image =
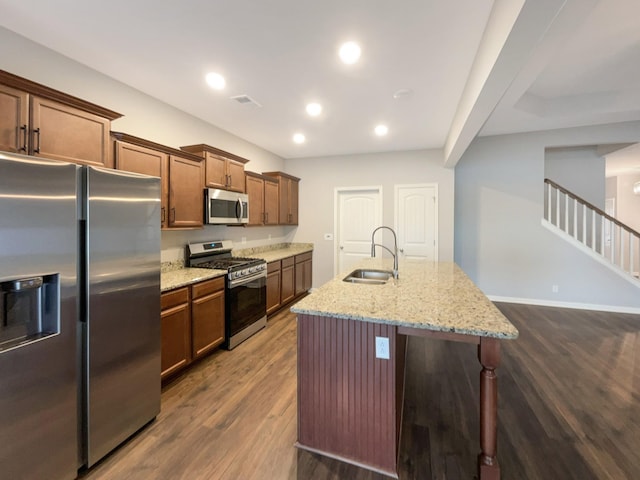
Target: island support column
{"points": [[489, 356]]}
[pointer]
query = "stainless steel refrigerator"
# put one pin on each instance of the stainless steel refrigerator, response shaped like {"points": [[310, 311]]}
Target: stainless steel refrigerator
{"points": [[79, 313]]}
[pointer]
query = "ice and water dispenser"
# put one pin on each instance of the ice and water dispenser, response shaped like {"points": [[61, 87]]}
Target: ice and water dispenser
{"points": [[29, 310]]}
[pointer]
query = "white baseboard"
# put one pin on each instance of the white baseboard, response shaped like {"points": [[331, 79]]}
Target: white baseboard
{"points": [[578, 306]]}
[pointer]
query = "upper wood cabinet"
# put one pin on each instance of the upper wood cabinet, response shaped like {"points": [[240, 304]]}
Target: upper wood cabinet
{"points": [[37, 120], [223, 169], [138, 159], [287, 197], [263, 199], [186, 195], [181, 173]]}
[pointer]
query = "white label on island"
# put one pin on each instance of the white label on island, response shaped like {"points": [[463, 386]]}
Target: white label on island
{"points": [[382, 347]]}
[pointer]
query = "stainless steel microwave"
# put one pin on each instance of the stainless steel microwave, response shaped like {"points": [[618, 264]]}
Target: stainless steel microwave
{"points": [[226, 208]]}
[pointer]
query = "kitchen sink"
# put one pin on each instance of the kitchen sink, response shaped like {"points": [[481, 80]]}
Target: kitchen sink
{"points": [[368, 277]]}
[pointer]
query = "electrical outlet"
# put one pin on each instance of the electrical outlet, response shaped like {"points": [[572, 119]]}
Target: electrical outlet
{"points": [[328, 236], [243, 239], [382, 347], [555, 288]]}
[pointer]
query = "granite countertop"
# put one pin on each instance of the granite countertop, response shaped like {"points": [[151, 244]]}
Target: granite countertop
{"points": [[186, 276], [274, 254], [175, 275], [433, 295]]}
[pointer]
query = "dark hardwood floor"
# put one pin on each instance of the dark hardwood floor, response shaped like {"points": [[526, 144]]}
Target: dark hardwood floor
{"points": [[569, 391]]}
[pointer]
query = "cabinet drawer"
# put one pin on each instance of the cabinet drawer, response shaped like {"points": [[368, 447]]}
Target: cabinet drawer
{"points": [[205, 288], [174, 297], [273, 267], [304, 257], [288, 262]]}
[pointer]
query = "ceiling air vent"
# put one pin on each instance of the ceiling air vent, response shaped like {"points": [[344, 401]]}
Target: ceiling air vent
{"points": [[245, 100]]}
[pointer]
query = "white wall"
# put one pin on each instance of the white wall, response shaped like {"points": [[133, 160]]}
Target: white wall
{"points": [[499, 240], [628, 203], [320, 177], [580, 170], [144, 117]]}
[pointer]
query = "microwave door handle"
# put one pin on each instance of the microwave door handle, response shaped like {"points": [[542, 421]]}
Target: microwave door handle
{"points": [[239, 204]]}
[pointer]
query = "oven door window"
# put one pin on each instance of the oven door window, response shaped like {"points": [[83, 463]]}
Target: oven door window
{"points": [[246, 304]]}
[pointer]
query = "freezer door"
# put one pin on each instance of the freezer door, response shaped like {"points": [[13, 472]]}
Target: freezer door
{"points": [[38, 362], [122, 328]]}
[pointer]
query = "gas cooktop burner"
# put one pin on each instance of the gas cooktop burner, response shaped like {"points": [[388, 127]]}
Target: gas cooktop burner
{"points": [[217, 255], [227, 263]]}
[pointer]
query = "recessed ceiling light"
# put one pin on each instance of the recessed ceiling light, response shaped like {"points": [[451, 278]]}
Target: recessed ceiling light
{"points": [[349, 52], [215, 80], [314, 109], [299, 138], [402, 93], [381, 130]]}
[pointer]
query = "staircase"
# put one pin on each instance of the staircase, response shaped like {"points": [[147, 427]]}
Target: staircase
{"points": [[598, 234]]}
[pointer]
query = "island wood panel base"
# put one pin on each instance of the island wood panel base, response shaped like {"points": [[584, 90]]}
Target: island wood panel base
{"points": [[349, 406], [489, 357]]}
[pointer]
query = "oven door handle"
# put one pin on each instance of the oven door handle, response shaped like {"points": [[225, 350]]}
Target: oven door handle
{"points": [[241, 281]]}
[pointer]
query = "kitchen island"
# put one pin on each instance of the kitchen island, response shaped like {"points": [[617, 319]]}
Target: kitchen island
{"points": [[351, 356]]}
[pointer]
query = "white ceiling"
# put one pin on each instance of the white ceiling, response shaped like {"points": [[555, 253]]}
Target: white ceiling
{"points": [[474, 66]]}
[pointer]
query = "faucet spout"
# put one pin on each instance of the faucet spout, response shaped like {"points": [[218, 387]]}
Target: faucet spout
{"points": [[394, 253]]}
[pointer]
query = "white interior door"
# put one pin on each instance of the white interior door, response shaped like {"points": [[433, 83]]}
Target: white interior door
{"points": [[358, 213], [416, 221]]}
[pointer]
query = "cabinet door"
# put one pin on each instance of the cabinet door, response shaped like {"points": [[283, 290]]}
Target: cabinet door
{"points": [[255, 190], [235, 179], [133, 158], [293, 202], [283, 194], [68, 134], [287, 286], [273, 287], [303, 273], [207, 322], [14, 118], [270, 203], [299, 278], [216, 171], [308, 277], [176, 339], [186, 200]]}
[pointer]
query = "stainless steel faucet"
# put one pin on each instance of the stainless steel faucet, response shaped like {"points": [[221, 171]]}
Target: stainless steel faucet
{"points": [[395, 249]]}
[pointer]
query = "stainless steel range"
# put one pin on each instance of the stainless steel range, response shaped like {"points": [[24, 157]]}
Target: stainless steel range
{"points": [[245, 288]]}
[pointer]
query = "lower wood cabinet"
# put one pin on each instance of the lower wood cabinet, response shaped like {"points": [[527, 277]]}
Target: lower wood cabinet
{"points": [[273, 286], [207, 316], [288, 279], [303, 273], [176, 330], [192, 323]]}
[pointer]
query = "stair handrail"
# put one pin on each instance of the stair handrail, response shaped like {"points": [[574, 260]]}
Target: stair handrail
{"points": [[591, 206]]}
